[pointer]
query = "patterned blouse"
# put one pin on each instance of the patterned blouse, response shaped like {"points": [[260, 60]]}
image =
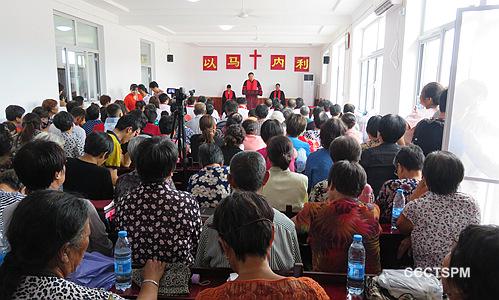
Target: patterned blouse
{"points": [[331, 226], [287, 288], [209, 186], [314, 135], [162, 223], [129, 181], [437, 222], [388, 191], [51, 287], [73, 147], [370, 144], [319, 193]]}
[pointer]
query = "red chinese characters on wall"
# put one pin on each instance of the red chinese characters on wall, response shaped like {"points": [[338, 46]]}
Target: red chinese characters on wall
{"points": [[302, 63], [210, 63], [277, 62], [233, 61]]}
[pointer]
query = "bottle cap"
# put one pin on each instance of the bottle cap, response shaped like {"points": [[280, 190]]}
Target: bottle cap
{"points": [[357, 238], [122, 233], [400, 191]]}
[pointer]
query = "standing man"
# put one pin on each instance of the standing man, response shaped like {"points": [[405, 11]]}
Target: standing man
{"points": [[156, 91], [278, 94], [228, 94], [252, 89]]}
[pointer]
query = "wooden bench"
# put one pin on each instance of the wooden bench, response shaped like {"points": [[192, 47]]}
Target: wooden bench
{"points": [[333, 283]]}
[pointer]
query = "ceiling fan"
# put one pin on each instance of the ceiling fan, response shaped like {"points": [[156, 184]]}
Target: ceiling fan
{"points": [[243, 14]]}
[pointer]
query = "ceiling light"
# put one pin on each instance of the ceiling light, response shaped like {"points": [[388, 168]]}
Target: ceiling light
{"points": [[226, 27], [63, 28], [193, 0]]}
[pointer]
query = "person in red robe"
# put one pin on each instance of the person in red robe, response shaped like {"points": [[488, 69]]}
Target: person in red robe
{"points": [[228, 94], [252, 89], [278, 94]]}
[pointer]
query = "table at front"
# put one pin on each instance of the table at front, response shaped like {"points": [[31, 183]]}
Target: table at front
{"points": [[333, 283]]}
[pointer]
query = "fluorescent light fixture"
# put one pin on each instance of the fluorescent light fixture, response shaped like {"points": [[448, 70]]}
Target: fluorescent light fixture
{"points": [[193, 1], [117, 5], [226, 27], [63, 28], [167, 29]]}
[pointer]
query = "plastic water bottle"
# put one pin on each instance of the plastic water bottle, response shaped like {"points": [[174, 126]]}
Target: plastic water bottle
{"points": [[356, 266], [123, 262], [4, 247], [398, 207]]}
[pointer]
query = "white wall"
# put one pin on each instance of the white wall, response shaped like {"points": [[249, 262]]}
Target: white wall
{"points": [[392, 61], [187, 71], [399, 58], [27, 61]]}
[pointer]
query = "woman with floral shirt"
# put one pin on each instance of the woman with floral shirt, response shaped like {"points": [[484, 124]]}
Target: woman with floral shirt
{"points": [[331, 225], [210, 185], [408, 162]]}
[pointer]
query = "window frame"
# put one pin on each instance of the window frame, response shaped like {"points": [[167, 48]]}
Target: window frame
{"points": [[151, 60], [337, 91], [74, 47], [435, 34], [375, 55]]}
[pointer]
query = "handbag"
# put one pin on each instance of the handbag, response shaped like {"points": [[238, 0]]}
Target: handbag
{"points": [[403, 284], [175, 280], [374, 291]]}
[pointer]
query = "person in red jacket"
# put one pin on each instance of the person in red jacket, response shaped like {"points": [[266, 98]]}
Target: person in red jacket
{"points": [[227, 95], [252, 89], [151, 114], [132, 98]]}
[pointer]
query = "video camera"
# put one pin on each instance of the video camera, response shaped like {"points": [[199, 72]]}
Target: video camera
{"points": [[179, 93]]}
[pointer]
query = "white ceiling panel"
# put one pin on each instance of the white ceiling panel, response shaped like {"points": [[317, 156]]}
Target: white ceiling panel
{"points": [[289, 22]]}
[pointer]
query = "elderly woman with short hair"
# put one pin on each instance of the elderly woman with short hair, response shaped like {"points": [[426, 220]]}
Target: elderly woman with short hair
{"points": [[49, 234], [440, 213]]}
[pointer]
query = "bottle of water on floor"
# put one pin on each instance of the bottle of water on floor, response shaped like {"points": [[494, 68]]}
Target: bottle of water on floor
{"points": [[398, 207], [356, 266], [123, 262], [4, 247]]}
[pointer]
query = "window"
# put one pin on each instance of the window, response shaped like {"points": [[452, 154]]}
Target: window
{"points": [[338, 72], [77, 53], [436, 41], [435, 55], [146, 62], [440, 12], [471, 126], [371, 65]]}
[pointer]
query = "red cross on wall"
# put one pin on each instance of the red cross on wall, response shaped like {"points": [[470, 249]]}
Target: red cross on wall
{"points": [[255, 57]]}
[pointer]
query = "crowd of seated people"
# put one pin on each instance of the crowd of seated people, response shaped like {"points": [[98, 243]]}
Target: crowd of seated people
{"points": [[267, 176]]}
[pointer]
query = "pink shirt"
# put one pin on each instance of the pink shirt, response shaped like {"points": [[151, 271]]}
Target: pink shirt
{"points": [[253, 142], [265, 155], [355, 134]]}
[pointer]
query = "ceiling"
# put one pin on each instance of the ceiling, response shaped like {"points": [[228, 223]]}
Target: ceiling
{"points": [[263, 22]]}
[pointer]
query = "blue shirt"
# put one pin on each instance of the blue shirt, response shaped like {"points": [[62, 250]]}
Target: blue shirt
{"points": [[303, 151], [300, 145], [89, 125], [318, 165]]}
